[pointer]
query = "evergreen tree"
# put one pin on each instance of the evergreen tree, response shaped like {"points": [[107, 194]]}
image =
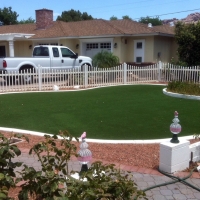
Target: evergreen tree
{"points": [[154, 21], [73, 15]]}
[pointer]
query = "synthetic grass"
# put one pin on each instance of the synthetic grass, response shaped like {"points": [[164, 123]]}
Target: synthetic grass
{"points": [[122, 112]]}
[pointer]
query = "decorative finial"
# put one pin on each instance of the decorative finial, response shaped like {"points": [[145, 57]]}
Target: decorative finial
{"points": [[85, 155], [83, 136], [176, 113], [175, 128]]}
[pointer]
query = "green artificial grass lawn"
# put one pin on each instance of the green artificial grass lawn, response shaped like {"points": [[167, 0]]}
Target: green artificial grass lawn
{"points": [[122, 112]]}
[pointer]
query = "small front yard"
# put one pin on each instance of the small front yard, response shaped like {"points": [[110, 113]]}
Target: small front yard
{"points": [[122, 112]]}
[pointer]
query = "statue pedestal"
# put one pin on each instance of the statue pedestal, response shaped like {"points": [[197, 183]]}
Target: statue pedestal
{"points": [[174, 156]]}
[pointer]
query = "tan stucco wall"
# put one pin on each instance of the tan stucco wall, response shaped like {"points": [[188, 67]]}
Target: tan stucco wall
{"points": [[166, 47], [153, 45], [125, 50], [119, 50], [129, 49], [71, 43], [21, 48]]}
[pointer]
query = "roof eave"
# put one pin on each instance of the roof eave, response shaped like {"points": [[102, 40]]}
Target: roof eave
{"points": [[105, 36]]}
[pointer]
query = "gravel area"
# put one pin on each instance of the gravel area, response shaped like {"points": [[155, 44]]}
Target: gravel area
{"points": [[143, 155]]}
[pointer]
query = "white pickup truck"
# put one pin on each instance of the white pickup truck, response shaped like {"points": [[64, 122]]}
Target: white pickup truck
{"points": [[46, 56]]}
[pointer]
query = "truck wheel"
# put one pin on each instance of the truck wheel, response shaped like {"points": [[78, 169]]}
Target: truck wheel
{"points": [[26, 77]]}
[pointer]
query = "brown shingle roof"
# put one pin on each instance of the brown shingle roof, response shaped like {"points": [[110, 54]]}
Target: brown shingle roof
{"points": [[130, 27], [89, 28]]}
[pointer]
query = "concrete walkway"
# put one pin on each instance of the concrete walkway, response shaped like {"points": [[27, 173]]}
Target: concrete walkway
{"points": [[143, 177]]}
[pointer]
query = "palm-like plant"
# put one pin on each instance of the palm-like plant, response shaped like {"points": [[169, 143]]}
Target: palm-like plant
{"points": [[105, 59]]}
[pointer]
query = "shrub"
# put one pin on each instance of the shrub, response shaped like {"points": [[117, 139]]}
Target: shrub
{"points": [[184, 87], [105, 59], [7, 166], [54, 181], [54, 159], [104, 182]]}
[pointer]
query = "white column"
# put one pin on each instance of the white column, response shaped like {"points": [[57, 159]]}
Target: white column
{"points": [[11, 48]]}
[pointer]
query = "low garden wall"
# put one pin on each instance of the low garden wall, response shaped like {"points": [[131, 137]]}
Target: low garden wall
{"points": [[195, 148]]}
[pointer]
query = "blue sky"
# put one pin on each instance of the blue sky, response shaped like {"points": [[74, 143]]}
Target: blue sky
{"points": [[106, 9]]}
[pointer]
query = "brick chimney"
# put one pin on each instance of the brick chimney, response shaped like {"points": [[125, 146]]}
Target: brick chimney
{"points": [[44, 18]]}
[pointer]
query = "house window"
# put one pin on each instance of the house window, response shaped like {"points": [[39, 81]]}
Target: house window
{"points": [[138, 59], [139, 45], [105, 45], [92, 46]]}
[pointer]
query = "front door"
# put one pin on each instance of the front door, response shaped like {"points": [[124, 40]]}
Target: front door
{"points": [[139, 51], [2, 51]]}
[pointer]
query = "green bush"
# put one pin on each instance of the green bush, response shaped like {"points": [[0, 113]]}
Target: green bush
{"points": [[104, 182], [178, 62], [7, 152], [54, 181], [54, 159], [184, 87], [105, 59]]}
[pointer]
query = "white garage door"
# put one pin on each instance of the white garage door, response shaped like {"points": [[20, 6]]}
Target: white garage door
{"points": [[91, 49]]}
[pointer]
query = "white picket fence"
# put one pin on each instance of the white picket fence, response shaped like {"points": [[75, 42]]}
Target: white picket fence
{"points": [[43, 80]]}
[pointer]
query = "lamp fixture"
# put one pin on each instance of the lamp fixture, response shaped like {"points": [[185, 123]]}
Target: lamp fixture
{"points": [[115, 45], [30, 46], [77, 46]]}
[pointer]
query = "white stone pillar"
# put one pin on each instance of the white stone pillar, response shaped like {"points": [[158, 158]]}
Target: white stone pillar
{"points": [[11, 48], [174, 156]]}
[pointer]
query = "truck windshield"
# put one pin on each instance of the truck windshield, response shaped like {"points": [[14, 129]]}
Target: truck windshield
{"points": [[41, 51]]}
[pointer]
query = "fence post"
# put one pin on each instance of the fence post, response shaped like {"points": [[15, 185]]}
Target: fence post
{"points": [[125, 73], [39, 77], [86, 76], [159, 70]]}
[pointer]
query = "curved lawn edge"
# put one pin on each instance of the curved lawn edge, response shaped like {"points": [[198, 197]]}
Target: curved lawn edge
{"points": [[183, 96], [79, 89], [153, 141]]}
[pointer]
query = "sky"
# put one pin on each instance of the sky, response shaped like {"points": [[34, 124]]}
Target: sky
{"points": [[104, 9]]}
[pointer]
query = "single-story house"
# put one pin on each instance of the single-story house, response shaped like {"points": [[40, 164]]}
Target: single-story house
{"points": [[131, 41]]}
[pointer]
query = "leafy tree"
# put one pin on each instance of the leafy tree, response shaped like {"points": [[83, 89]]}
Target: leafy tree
{"points": [[73, 15], [105, 59], [154, 21], [126, 17], [7, 16], [27, 21], [188, 39], [113, 18]]}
